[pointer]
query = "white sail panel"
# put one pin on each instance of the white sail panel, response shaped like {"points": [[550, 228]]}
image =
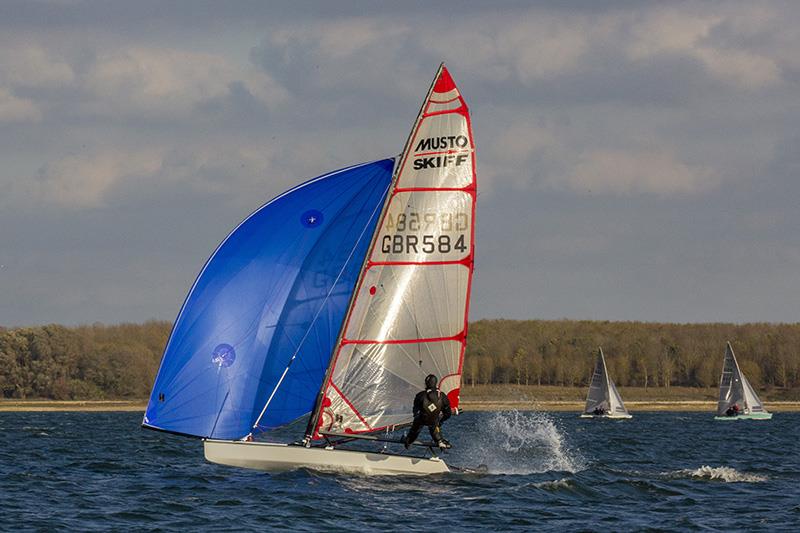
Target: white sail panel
{"points": [[408, 317], [425, 226], [374, 384], [617, 405], [751, 400], [441, 153], [402, 302]]}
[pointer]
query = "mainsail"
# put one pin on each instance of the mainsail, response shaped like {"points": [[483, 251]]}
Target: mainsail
{"points": [[409, 313], [603, 395], [734, 389]]}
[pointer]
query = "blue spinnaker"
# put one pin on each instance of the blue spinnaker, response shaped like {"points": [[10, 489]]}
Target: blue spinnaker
{"points": [[261, 321]]}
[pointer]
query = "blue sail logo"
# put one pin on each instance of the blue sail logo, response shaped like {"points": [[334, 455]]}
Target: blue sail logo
{"points": [[223, 355], [311, 218]]}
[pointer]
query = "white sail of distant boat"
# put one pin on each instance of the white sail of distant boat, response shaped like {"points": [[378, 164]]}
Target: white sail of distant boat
{"points": [[333, 301], [603, 400], [737, 398]]}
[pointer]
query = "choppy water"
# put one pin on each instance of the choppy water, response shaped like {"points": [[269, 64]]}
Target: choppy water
{"points": [[99, 471]]}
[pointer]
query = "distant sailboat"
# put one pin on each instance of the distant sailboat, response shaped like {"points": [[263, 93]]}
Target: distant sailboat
{"points": [[603, 400], [737, 398], [333, 300]]}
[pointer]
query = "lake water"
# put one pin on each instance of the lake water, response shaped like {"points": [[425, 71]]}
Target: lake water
{"points": [[546, 471]]}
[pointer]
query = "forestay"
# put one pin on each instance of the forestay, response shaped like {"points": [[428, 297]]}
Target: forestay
{"points": [[409, 312]]}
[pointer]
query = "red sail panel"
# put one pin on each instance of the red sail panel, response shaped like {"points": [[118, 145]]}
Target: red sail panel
{"points": [[408, 317]]}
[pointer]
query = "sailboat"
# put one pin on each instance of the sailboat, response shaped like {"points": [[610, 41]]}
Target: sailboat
{"points": [[737, 398], [333, 301], [603, 400]]}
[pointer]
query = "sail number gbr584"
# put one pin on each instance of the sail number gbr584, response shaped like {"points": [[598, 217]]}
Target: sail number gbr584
{"points": [[413, 233]]}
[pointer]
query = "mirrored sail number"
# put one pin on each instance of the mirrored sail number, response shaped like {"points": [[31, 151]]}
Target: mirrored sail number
{"points": [[427, 233]]}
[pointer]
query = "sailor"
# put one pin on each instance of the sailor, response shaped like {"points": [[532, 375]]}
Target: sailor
{"points": [[431, 409]]}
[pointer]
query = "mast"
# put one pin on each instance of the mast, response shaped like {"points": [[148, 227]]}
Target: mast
{"points": [[315, 414]]}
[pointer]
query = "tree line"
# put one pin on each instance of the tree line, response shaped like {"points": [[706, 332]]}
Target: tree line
{"points": [[94, 362], [643, 354], [120, 361]]}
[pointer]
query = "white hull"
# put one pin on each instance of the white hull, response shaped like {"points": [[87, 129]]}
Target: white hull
{"points": [[750, 416], [271, 457], [617, 417]]}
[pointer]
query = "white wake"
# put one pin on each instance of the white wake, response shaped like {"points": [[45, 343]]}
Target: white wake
{"points": [[523, 443], [719, 473]]}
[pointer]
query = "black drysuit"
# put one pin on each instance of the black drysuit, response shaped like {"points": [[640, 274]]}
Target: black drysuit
{"points": [[431, 408]]}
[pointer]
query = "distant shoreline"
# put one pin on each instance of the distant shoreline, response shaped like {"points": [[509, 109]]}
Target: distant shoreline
{"points": [[633, 407], [467, 405], [72, 405]]}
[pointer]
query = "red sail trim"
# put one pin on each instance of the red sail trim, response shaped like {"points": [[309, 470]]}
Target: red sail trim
{"points": [[444, 82], [350, 405], [459, 110], [462, 150], [458, 337], [469, 189], [467, 262], [455, 400], [444, 101]]}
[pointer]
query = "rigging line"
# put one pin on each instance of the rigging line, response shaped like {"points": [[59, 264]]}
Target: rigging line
{"points": [[302, 362], [265, 305], [285, 333], [349, 257], [265, 302]]}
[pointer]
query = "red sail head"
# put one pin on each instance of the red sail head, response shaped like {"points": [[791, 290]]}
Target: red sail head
{"points": [[444, 83]]}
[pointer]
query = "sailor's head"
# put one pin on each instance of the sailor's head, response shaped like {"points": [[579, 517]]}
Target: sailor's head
{"points": [[431, 381]]}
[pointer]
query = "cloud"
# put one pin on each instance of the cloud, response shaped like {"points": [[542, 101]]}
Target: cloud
{"points": [[114, 175], [13, 109], [542, 47], [683, 32], [33, 67], [515, 154], [531, 46], [353, 55], [82, 181], [155, 81], [657, 171]]}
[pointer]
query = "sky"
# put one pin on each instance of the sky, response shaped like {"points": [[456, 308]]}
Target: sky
{"points": [[636, 160]]}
